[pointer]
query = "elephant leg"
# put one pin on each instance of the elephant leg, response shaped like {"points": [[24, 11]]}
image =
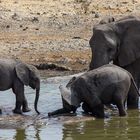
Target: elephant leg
{"points": [[121, 109], [98, 111], [17, 109], [86, 108], [120, 103], [133, 98], [18, 89], [25, 107]]}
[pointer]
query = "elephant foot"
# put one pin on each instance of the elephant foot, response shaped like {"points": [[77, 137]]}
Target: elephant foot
{"points": [[123, 114], [17, 111], [26, 109]]}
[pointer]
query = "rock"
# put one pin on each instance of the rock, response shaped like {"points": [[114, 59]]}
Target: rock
{"points": [[76, 37], [38, 13], [35, 19], [65, 60], [129, 10], [15, 16], [134, 1], [107, 19], [8, 26], [125, 2], [97, 15], [25, 28], [52, 66], [81, 61], [20, 26]]}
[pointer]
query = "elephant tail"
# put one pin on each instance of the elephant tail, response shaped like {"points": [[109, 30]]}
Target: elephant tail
{"points": [[134, 85]]}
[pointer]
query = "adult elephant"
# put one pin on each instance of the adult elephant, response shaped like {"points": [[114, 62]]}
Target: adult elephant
{"points": [[96, 88], [118, 42], [107, 19], [15, 74]]}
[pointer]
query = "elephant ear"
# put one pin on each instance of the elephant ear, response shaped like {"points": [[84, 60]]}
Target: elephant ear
{"points": [[129, 50], [109, 34], [22, 72], [111, 39]]}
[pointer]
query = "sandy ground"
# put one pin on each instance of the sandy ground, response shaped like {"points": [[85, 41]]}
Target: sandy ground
{"points": [[56, 31]]}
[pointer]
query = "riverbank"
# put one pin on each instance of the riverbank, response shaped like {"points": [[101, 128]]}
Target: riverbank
{"points": [[55, 31]]}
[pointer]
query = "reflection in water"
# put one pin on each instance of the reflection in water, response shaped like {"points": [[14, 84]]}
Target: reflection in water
{"points": [[20, 134], [123, 128], [37, 136]]}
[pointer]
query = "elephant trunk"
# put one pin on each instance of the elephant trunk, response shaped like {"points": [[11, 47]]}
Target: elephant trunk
{"points": [[36, 100], [98, 60]]}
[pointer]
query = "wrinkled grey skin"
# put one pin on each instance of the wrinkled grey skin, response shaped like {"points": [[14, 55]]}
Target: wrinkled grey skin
{"points": [[118, 42], [107, 20], [102, 86], [15, 74]]}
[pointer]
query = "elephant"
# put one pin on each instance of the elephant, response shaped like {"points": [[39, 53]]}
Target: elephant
{"points": [[118, 42], [96, 88], [107, 19], [14, 74]]}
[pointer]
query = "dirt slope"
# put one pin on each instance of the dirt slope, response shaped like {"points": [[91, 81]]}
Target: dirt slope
{"points": [[57, 31]]}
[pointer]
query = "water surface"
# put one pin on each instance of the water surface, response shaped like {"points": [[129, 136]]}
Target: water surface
{"points": [[33, 127]]}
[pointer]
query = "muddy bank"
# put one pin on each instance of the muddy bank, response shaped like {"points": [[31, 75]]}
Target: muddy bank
{"points": [[52, 31], [14, 121]]}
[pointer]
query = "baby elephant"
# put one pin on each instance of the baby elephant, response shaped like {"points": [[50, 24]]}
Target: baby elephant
{"points": [[96, 88], [15, 74]]}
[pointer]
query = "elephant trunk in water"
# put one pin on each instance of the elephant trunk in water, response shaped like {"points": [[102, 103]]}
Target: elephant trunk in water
{"points": [[36, 100], [66, 101]]}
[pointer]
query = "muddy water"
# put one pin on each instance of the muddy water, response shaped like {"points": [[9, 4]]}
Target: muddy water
{"points": [[30, 126]]}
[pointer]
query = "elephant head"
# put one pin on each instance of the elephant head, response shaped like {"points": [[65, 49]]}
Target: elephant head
{"points": [[69, 99], [76, 92], [117, 42], [70, 82], [29, 75], [107, 19], [68, 103]]}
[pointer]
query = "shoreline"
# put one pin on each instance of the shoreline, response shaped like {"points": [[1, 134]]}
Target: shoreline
{"points": [[57, 32]]}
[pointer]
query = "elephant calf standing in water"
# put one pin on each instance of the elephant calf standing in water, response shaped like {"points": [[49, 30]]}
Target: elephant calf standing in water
{"points": [[96, 88], [15, 74]]}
